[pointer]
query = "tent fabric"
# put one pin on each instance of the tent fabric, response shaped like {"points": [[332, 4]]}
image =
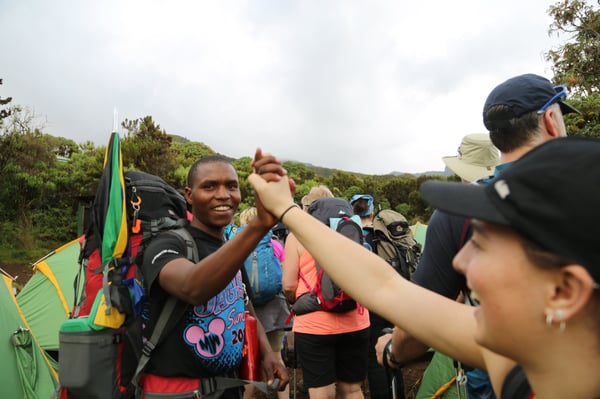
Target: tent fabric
{"points": [[419, 230], [439, 379], [47, 298], [27, 371]]}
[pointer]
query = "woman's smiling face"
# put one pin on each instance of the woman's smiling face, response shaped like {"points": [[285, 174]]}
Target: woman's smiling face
{"points": [[508, 286]]}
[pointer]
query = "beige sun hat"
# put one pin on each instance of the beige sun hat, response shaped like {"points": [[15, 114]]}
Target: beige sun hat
{"points": [[476, 159]]}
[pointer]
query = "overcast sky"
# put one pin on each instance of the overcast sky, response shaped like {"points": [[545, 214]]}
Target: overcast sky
{"points": [[364, 86]]}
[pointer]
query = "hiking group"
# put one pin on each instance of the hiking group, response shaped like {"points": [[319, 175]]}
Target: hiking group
{"points": [[529, 261], [503, 298]]}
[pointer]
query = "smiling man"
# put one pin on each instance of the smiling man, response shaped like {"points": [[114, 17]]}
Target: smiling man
{"points": [[208, 339]]}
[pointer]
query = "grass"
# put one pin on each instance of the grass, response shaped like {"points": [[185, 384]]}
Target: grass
{"points": [[12, 254]]}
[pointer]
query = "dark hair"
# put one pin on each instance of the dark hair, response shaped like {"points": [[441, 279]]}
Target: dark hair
{"points": [[508, 133], [543, 257], [360, 206], [203, 161], [546, 259]]}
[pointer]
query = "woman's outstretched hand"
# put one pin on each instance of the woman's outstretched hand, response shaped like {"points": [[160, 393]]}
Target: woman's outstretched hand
{"points": [[271, 184]]}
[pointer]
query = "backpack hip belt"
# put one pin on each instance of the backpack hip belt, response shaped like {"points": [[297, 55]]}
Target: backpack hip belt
{"points": [[206, 388], [186, 387]]}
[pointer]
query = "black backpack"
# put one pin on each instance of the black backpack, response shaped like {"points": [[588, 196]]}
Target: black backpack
{"points": [[101, 360], [327, 295]]}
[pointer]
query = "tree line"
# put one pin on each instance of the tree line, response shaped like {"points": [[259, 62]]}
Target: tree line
{"points": [[49, 181]]}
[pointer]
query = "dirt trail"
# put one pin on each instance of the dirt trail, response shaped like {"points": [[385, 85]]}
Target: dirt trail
{"points": [[21, 272], [412, 375]]}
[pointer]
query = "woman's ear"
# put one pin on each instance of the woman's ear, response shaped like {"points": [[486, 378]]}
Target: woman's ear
{"points": [[573, 289]]}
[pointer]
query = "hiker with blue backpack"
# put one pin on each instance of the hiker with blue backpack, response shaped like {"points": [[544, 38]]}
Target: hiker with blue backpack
{"points": [[263, 267], [201, 355], [446, 234], [331, 346]]}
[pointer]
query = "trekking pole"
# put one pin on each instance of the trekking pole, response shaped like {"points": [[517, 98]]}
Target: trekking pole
{"points": [[295, 382], [391, 373], [393, 383], [292, 362], [461, 380]]}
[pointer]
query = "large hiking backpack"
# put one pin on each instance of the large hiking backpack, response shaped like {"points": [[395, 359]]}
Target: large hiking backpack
{"points": [[100, 347], [264, 271], [393, 241], [326, 294], [152, 206]]}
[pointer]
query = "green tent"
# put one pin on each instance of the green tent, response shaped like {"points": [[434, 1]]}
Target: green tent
{"points": [[440, 379], [47, 298], [27, 372], [419, 230]]}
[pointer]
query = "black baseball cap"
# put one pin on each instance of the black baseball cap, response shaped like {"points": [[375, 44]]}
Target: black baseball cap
{"points": [[523, 94], [550, 196]]}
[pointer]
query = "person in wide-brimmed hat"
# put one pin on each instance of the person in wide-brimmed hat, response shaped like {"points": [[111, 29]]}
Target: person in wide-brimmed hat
{"points": [[477, 157]]}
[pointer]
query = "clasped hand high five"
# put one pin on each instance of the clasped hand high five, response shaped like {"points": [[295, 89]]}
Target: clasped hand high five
{"points": [[271, 183]]}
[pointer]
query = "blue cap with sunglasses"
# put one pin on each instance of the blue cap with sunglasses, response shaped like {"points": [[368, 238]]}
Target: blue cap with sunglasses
{"points": [[523, 94]]}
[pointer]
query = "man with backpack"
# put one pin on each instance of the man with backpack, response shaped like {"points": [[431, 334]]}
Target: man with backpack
{"points": [[208, 339], [520, 114]]}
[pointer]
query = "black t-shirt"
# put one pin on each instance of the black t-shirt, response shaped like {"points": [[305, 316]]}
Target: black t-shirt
{"points": [[208, 339], [443, 241], [515, 385]]}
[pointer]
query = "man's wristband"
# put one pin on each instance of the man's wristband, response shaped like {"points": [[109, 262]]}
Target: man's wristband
{"points": [[388, 357], [287, 210]]}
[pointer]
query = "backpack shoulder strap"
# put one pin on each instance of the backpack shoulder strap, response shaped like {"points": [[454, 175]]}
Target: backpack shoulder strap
{"points": [[170, 313], [186, 237], [303, 278], [466, 230], [172, 306]]}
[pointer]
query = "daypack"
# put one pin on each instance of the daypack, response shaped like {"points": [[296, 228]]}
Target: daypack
{"points": [[393, 241], [280, 232], [326, 294], [101, 345], [264, 271]]}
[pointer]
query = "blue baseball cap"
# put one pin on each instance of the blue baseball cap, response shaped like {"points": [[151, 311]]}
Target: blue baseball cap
{"points": [[523, 94], [369, 200]]}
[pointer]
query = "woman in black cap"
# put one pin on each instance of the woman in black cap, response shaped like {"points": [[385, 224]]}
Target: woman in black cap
{"points": [[532, 262]]}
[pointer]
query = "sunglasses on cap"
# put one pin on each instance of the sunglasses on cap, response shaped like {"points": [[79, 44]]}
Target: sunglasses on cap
{"points": [[561, 94]]}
